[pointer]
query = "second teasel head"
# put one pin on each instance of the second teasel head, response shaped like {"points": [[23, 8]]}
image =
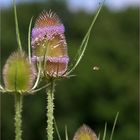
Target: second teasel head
{"points": [[18, 73], [49, 44]]}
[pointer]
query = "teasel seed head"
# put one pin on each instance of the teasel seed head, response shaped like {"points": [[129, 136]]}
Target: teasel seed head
{"points": [[85, 133], [49, 44], [18, 73]]}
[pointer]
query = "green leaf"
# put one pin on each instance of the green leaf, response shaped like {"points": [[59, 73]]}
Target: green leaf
{"points": [[29, 39], [57, 131], [80, 56], [115, 121], [99, 136], [17, 28], [66, 133], [104, 135]]}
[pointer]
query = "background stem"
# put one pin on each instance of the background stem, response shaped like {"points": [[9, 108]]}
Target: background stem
{"points": [[18, 117], [50, 110]]}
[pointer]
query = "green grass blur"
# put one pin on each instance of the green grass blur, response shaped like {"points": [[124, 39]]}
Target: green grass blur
{"points": [[92, 97]]}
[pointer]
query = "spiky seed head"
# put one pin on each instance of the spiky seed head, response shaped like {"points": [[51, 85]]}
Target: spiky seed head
{"points": [[85, 133], [46, 25], [47, 19], [18, 73], [56, 66], [49, 44]]}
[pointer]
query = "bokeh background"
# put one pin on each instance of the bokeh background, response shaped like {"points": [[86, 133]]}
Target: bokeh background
{"points": [[92, 97]]}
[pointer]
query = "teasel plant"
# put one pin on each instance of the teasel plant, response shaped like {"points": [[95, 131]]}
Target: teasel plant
{"points": [[86, 133], [20, 77], [47, 60], [49, 49]]}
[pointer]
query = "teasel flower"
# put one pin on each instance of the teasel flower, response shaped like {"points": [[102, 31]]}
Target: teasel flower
{"points": [[50, 48], [49, 44]]}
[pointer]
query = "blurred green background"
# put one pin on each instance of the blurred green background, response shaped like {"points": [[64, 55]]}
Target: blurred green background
{"points": [[92, 97]]}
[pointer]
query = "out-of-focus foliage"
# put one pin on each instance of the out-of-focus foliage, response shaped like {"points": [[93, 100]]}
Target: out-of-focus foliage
{"points": [[92, 97]]}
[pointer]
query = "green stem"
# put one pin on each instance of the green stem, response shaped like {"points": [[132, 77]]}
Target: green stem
{"points": [[50, 110], [18, 117]]}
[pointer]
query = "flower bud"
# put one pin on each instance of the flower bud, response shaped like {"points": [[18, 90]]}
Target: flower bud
{"points": [[49, 44], [18, 73]]}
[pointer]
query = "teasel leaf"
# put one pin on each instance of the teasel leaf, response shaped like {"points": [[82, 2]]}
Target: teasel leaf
{"points": [[18, 73], [38, 89], [57, 130], [38, 77], [105, 129], [29, 39], [66, 133], [17, 27], [85, 133], [84, 43], [99, 136], [114, 125]]}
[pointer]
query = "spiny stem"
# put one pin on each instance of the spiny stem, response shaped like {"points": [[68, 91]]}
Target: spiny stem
{"points": [[18, 117], [50, 110]]}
